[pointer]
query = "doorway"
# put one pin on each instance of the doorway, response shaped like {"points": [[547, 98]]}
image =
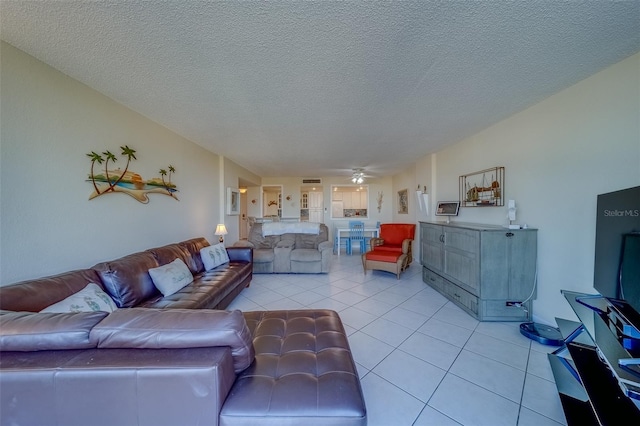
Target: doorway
{"points": [[272, 201], [312, 204]]}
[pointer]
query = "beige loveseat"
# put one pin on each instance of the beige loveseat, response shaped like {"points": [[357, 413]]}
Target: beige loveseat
{"points": [[307, 251]]}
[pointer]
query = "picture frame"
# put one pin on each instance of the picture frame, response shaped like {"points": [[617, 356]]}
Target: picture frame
{"points": [[482, 189], [233, 201], [403, 201]]}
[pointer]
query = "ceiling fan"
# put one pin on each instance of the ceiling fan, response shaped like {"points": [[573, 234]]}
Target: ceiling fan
{"points": [[358, 176]]}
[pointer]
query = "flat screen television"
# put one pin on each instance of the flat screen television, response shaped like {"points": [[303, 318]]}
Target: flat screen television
{"points": [[447, 208], [617, 252]]}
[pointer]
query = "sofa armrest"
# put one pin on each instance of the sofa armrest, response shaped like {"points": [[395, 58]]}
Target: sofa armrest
{"points": [[240, 254], [325, 245], [242, 243]]}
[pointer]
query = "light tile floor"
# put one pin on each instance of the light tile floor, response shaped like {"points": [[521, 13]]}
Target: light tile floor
{"points": [[421, 359]]}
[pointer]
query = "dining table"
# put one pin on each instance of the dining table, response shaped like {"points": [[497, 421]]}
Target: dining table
{"points": [[370, 231]]}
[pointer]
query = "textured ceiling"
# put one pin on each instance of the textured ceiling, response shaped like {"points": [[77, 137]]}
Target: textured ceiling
{"points": [[318, 88]]}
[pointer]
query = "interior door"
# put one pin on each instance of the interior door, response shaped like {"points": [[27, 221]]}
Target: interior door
{"points": [[244, 223], [316, 207]]}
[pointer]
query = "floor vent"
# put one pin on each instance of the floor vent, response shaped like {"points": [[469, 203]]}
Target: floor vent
{"points": [[312, 180]]}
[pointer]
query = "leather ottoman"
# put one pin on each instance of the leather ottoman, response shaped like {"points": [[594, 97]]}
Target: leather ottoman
{"points": [[303, 373]]}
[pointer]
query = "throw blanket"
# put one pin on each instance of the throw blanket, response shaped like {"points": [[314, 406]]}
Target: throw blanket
{"points": [[279, 228]]}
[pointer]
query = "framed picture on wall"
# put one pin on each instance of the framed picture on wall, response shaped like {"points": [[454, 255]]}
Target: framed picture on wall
{"points": [[233, 201], [403, 202]]}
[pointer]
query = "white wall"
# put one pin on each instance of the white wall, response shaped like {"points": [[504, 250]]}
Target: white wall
{"points": [[48, 225], [558, 155]]}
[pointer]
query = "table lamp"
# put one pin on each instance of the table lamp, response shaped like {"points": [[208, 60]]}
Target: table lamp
{"points": [[222, 231]]}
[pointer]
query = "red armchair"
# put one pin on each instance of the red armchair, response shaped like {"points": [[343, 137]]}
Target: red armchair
{"points": [[391, 251]]}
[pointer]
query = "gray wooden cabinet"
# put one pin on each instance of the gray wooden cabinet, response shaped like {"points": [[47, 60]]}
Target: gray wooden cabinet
{"points": [[484, 269]]}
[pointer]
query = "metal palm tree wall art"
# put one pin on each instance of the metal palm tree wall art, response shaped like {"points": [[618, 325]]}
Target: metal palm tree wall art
{"points": [[125, 181]]}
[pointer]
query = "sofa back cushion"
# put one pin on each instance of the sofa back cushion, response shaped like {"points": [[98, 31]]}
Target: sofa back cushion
{"points": [[310, 241], [396, 233], [28, 331], [127, 279], [193, 247], [259, 241], [35, 295], [177, 328], [169, 253]]}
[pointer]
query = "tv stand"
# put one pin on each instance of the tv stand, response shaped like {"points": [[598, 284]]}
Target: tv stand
{"points": [[593, 387]]}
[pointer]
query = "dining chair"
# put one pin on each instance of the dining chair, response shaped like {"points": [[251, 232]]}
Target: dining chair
{"points": [[343, 241], [356, 236]]}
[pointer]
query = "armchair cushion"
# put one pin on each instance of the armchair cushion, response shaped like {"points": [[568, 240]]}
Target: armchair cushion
{"points": [[383, 256], [394, 234]]}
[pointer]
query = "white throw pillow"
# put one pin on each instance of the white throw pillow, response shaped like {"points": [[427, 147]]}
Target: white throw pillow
{"points": [[89, 299], [214, 255], [171, 277]]}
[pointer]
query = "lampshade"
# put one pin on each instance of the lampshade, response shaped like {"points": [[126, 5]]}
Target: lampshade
{"points": [[221, 229]]}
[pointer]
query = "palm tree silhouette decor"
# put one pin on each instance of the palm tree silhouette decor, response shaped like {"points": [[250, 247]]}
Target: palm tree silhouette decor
{"points": [[125, 180], [167, 184]]}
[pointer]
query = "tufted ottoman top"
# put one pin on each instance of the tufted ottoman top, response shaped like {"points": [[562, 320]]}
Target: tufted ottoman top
{"points": [[303, 373]]}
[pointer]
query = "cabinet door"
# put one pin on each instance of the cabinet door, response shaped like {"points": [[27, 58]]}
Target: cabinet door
{"points": [[431, 246], [508, 262], [355, 200], [461, 257], [522, 263], [494, 261], [347, 200]]}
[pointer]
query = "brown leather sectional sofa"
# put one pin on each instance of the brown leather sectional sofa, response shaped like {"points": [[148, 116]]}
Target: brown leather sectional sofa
{"points": [[144, 364]]}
